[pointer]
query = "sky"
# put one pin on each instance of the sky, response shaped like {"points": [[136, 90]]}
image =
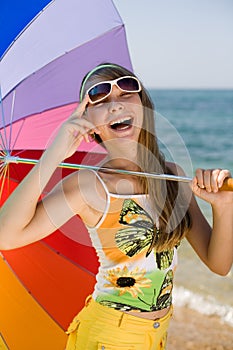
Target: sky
{"points": [[180, 43]]}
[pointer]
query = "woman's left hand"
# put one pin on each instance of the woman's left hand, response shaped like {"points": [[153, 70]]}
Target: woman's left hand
{"points": [[207, 182]]}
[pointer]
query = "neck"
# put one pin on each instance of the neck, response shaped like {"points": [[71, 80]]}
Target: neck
{"points": [[121, 163], [122, 155]]}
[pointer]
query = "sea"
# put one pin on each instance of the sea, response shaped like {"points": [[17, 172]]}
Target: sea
{"points": [[195, 129]]}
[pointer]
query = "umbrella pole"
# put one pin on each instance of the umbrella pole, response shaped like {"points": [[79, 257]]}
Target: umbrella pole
{"points": [[18, 160], [227, 186]]}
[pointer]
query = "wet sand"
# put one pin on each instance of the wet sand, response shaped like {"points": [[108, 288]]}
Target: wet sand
{"points": [[190, 330]]}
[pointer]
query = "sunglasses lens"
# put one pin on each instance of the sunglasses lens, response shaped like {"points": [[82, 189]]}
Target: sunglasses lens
{"points": [[128, 84], [99, 91]]}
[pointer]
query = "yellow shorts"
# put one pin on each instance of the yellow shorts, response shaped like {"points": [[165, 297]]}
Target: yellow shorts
{"points": [[98, 327]]}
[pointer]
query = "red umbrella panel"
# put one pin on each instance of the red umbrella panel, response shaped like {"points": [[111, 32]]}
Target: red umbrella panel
{"points": [[47, 49]]}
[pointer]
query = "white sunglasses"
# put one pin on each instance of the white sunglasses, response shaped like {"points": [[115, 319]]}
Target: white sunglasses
{"points": [[103, 89]]}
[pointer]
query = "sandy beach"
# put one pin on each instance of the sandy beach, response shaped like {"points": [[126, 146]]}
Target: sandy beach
{"points": [[190, 330]]}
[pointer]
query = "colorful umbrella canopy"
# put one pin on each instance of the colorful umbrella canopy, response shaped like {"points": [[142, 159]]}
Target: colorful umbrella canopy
{"points": [[46, 48]]}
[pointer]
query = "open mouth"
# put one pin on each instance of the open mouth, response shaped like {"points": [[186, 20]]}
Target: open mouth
{"points": [[122, 124]]}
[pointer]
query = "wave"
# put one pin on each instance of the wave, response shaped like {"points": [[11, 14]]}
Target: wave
{"points": [[204, 305]]}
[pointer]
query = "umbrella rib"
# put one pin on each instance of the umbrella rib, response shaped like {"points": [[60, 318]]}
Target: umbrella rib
{"points": [[3, 144], [18, 133], [11, 120], [35, 297], [75, 263], [3, 176], [2, 170]]}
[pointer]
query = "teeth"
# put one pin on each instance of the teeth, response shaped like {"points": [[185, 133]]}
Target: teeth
{"points": [[120, 121]]}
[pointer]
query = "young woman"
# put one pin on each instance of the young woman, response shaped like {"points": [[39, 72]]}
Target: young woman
{"points": [[135, 223]]}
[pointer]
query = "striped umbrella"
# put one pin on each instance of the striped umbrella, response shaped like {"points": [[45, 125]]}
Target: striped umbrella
{"points": [[46, 48]]}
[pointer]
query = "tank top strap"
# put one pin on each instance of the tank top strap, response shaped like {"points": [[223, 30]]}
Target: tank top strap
{"points": [[102, 182], [107, 202]]}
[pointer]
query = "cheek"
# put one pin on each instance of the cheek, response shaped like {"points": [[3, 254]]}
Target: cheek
{"points": [[93, 116], [140, 116], [103, 130]]}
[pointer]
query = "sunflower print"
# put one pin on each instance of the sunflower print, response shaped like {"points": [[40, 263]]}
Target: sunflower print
{"points": [[139, 232], [125, 281]]}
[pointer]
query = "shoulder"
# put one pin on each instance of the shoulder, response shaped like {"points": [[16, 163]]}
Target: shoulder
{"points": [[85, 191], [175, 169], [183, 187], [82, 179]]}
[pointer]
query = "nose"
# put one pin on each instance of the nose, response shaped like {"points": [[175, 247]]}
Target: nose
{"points": [[114, 100], [115, 106]]}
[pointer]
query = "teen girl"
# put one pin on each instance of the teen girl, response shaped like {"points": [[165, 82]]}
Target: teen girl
{"points": [[135, 223]]}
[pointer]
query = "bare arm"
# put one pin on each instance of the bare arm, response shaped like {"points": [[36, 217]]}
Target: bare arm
{"points": [[23, 219], [22, 213], [214, 246]]}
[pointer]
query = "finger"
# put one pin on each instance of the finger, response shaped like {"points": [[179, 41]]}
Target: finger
{"points": [[79, 132], [82, 106], [197, 190], [86, 138], [80, 110], [214, 180], [207, 179], [223, 174], [200, 178], [194, 185], [81, 120], [83, 123], [84, 130]]}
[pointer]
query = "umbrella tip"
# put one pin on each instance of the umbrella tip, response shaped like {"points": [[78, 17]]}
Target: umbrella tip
{"points": [[7, 159]]}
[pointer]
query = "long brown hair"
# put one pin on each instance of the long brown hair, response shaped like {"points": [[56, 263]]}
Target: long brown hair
{"points": [[166, 197]]}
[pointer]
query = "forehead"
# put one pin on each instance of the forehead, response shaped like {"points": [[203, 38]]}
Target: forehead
{"points": [[92, 81], [104, 75], [95, 80]]}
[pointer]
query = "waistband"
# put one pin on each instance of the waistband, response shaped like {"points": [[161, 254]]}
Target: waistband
{"points": [[94, 310]]}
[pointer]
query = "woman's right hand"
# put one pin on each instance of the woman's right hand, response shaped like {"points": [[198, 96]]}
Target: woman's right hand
{"points": [[74, 130], [33, 219]]}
